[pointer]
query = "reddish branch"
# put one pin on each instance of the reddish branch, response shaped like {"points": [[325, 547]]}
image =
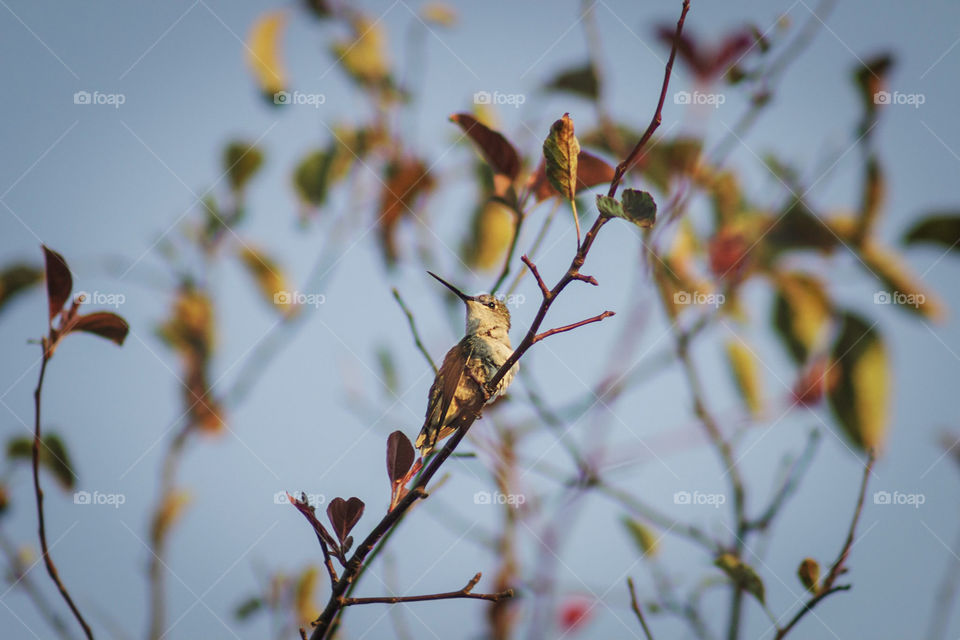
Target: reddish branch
{"points": [[839, 565], [37, 441], [354, 566], [465, 592]]}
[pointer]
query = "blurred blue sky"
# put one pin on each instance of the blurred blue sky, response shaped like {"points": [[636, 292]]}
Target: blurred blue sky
{"points": [[101, 184]]}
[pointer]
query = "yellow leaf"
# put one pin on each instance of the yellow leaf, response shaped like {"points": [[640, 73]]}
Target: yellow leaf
{"points": [[902, 286], [304, 599], [365, 56], [169, 514], [801, 312], [643, 537], [269, 278], [439, 13], [809, 574], [263, 52], [492, 233], [746, 374], [859, 387]]}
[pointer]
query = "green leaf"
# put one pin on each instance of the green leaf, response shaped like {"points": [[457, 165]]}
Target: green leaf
{"points": [[580, 81], [53, 457], [247, 608], [859, 384], [642, 536], [311, 177], [16, 279], [560, 152], [241, 161], [637, 207], [939, 228], [742, 575]]}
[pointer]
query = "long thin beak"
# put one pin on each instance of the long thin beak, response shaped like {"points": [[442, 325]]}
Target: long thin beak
{"points": [[460, 294]]}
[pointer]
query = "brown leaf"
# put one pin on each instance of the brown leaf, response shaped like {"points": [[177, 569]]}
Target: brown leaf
{"points": [[59, 281], [404, 182], [399, 456], [104, 324], [344, 515], [496, 150]]}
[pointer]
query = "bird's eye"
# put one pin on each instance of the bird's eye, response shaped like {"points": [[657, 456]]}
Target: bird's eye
{"points": [[491, 305]]}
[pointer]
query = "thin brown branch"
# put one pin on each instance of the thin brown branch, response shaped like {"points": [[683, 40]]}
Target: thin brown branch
{"points": [[839, 565], [625, 166], [465, 592], [635, 605], [413, 330], [325, 622], [42, 531], [570, 327], [544, 289], [788, 487]]}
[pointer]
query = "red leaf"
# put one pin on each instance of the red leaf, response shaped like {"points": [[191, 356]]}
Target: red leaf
{"points": [[344, 515], [59, 281], [497, 151], [399, 456], [104, 324], [708, 62], [591, 171]]}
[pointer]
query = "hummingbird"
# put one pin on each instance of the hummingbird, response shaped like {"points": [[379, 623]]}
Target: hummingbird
{"points": [[460, 388]]}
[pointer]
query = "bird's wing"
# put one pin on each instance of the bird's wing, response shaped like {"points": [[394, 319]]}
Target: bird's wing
{"points": [[443, 391]]}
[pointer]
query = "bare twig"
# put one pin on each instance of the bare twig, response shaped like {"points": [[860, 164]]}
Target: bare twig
{"points": [[789, 485], [21, 578], [544, 289], [42, 531], [636, 609], [569, 327], [413, 330], [465, 592], [839, 565]]}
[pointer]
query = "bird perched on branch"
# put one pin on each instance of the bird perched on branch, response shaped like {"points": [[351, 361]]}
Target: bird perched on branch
{"points": [[460, 389]]}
